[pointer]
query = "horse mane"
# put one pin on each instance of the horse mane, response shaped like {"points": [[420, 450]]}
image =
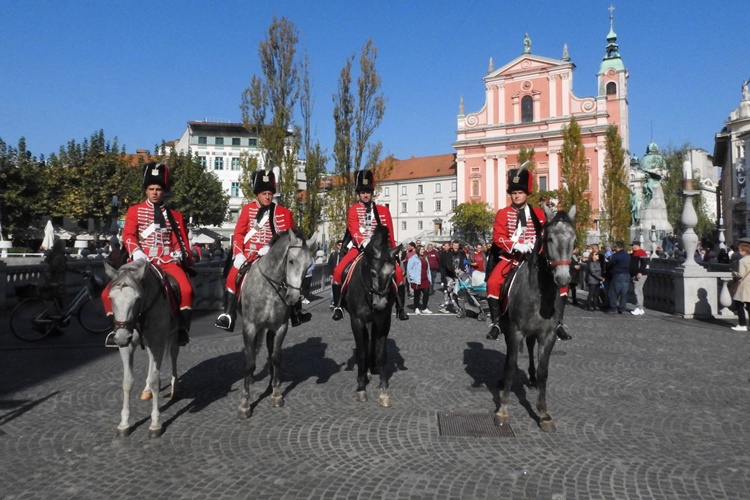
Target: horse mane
{"points": [[297, 232], [379, 242]]}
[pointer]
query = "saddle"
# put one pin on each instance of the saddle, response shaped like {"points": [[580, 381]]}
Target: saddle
{"points": [[171, 288], [348, 271]]}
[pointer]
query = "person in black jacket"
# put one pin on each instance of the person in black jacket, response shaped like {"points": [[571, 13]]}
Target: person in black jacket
{"points": [[450, 265], [619, 265], [333, 261]]}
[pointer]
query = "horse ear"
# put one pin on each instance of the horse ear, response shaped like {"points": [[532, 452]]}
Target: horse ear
{"points": [[548, 213], [572, 212], [109, 270], [395, 252]]}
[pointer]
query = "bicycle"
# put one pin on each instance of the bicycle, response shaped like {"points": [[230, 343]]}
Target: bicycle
{"points": [[37, 317]]}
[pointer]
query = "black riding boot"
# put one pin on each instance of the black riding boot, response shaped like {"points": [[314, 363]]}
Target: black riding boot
{"points": [[401, 303], [226, 320], [298, 316], [562, 331], [494, 304], [338, 313], [184, 318]]}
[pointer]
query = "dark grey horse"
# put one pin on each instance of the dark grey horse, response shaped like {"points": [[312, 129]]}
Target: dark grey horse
{"points": [[535, 309], [143, 316], [270, 288], [369, 299]]}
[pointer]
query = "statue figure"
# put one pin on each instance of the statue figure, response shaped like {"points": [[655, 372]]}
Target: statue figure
{"points": [[527, 44], [739, 168], [745, 92], [635, 210], [652, 178]]}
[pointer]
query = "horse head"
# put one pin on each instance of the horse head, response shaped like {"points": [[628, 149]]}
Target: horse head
{"points": [[126, 294], [291, 257], [559, 240], [377, 277]]}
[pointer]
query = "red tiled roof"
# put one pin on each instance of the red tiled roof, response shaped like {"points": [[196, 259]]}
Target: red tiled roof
{"points": [[424, 166]]}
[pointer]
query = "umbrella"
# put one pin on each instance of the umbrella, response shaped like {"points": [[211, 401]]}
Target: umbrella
{"points": [[201, 238], [49, 236]]}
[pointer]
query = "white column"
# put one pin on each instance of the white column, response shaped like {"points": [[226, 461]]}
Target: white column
{"points": [[502, 184], [552, 89], [490, 187]]}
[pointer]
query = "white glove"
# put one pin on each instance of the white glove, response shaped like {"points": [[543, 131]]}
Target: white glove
{"points": [[264, 250], [139, 255], [365, 242], [239, 259], [522, 248]]}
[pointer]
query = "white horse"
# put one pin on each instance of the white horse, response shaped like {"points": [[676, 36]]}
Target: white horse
{"points": [[143, 316]]}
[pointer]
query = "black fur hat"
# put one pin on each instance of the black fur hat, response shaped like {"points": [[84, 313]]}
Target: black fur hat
{"points": [[365, 181], [520, 180], [264, 181], [156, 173]]}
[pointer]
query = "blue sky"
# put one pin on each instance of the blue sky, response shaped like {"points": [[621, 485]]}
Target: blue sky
{"points": [[140, 70]]}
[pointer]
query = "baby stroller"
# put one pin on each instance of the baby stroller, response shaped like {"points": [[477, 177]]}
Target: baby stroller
{"points": [[464, 295]]}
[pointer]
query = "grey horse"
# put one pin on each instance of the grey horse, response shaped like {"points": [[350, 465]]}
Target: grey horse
{"points": [[535, 309], [269, 290], [143, 316]]}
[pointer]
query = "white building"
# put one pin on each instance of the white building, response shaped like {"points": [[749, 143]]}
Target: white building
{"points": [[421, 194]]}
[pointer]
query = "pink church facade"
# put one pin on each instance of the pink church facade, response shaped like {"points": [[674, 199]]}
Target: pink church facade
{"points": [[528, 101]]}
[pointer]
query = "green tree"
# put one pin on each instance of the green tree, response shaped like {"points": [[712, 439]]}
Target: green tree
{"points": [[22, 190], [472, 222], [615, 212], [315, 158], [196, 192], [268, 105], [575, 177]]}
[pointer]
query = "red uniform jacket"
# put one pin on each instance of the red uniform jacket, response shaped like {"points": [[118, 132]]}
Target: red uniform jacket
{"points": [[361, 224], [249, 237], [139, 232], [504, 229]]}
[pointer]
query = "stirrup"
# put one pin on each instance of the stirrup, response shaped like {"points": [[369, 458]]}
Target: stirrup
{"points": [[402, 315], [227, 325], [562, 332], [110, 341], [494, 332], [338, 314]]}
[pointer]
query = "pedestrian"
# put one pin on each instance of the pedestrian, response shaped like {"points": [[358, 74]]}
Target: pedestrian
{"points": [[306, 283], [155, 233], [742, 294], [433, 258], [575, 275], [411, 249], [638, 266], [418, 269], [333, 261], [257, 223], [619, 266], [478, 258], [595, 280], [444, 248], [450, 266]]}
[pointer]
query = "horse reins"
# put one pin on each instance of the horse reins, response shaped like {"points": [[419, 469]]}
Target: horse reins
{"points": [[278, 286], [129, 324]]}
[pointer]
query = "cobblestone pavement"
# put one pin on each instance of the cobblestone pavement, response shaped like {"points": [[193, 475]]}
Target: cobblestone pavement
{"points": [[646, 407]]}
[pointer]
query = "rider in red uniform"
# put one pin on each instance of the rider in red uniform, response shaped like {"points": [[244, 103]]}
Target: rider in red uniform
{"points": [[363, 217], [514, 235], [150, 234], [258, 222]]}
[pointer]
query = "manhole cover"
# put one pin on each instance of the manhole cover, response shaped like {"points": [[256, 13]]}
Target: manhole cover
{"points": [[471, 425]]}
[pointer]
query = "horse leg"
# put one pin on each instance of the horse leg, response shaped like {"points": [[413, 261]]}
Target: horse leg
{"points": [[545, 349], [249, 333], [126, 354], [156, 356], [381, 358], [174, 350], [530, 342], [273, 343], [513, 345], [147, 394], [362, 341]]}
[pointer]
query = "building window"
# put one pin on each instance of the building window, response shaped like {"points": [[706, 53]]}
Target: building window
{"points": [[420, 190], [403, 207], [542, 183], [219, 141], [527, 109], [420, 207], [252, 142], [235, 163], [235, 189], [218, 163], [202, 140], [611, 88], [235, 214], [235, 141], [438, 187], [454, 204], [438, 205], [403, 190], [454, 186], [202, 161], [403, 225], [387, 191], [419, 225]]}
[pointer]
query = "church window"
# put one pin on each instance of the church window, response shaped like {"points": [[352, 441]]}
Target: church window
{"points": [[527, 109], [611, 88], [542, 183]]}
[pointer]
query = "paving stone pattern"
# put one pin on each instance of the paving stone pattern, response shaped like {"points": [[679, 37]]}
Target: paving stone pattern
{"points": [[651, 407]]}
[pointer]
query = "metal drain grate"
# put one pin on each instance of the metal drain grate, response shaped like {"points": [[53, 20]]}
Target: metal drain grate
{"points": [[471, 425]]}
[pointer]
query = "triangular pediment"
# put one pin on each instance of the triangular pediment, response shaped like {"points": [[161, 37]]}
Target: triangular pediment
{"points": [[527, 63]]}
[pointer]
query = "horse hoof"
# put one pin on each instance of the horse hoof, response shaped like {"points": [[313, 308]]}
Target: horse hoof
{"points": [[277, 401], [361, 396], [548, 425], [123, 433], [154, 433], [501, 420], [174, 395], [146, 395], [385, 401], [244, 413]]}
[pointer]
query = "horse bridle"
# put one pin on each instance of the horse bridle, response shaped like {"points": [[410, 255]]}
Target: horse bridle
{"points": [[551, 263], [371, 290], [279, 286], [129, 324]]}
